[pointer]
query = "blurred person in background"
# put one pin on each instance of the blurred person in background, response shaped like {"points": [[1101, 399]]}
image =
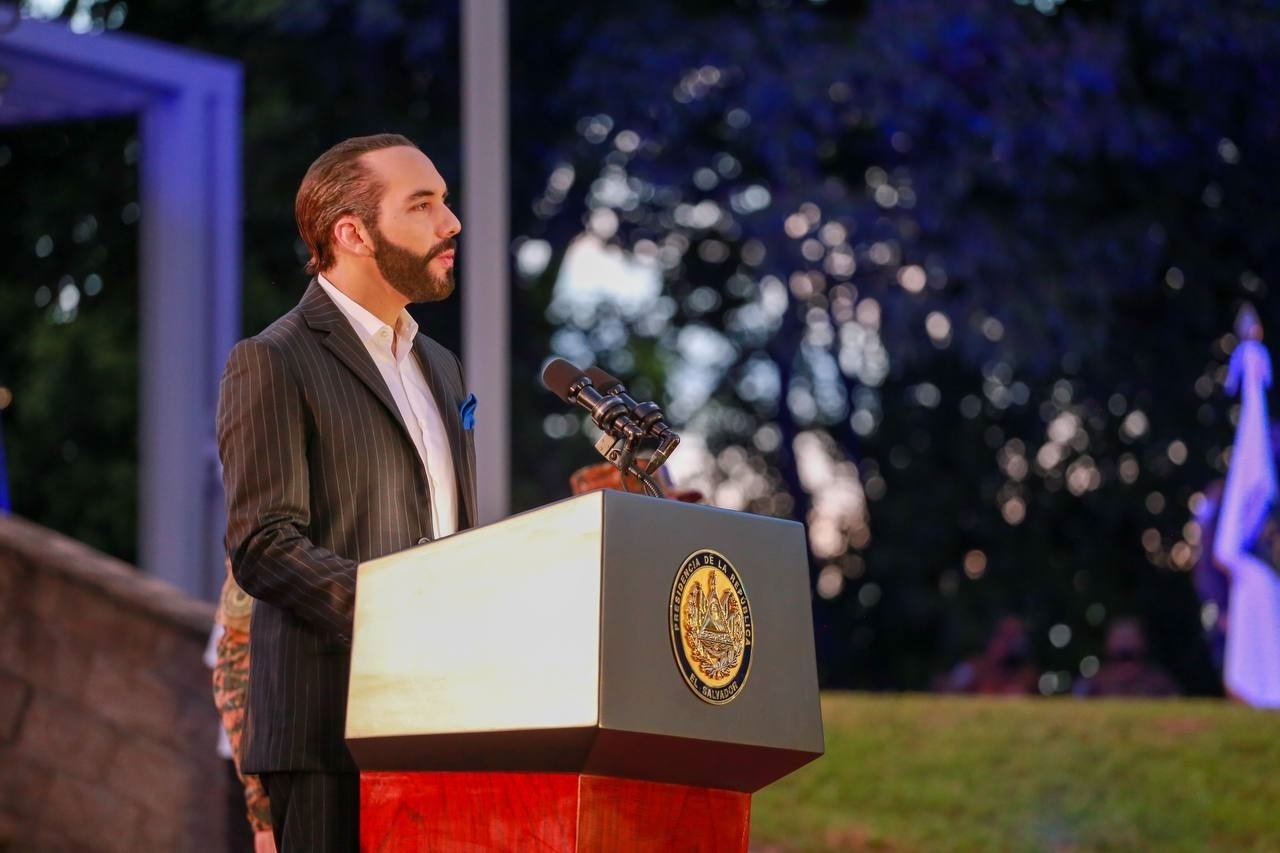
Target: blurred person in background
{"points": [[1125, 669], [1211, 583], [603, 475], [1004, 668], [230, 693]]}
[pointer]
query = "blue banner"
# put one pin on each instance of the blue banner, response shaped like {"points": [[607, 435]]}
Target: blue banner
{"points": [[4, 475]]}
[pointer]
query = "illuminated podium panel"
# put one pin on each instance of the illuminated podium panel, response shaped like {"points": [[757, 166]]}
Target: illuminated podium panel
{"points": [[559, 670]]}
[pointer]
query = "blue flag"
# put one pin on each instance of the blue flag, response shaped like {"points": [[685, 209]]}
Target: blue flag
{"points": [[4, 476]]}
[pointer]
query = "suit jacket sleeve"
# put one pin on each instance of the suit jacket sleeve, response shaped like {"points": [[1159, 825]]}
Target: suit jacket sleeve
{"points": [[262, 440]]}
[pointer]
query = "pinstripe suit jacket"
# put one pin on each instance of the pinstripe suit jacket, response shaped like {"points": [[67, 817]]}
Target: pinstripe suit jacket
{"points": [[320, 475]]}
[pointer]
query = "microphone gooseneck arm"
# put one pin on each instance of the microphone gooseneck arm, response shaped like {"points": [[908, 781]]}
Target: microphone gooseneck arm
{"points": [[666, 447]]}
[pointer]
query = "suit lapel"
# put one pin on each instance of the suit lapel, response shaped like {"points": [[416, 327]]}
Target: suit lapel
{"points": [[322, 315], [447, 402]]}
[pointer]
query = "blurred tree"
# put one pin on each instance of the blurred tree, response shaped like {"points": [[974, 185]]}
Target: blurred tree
{"points": [[68, 330], [947, 280]]}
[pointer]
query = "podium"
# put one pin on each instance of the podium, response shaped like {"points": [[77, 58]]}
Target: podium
{"points": [[609, 672]]}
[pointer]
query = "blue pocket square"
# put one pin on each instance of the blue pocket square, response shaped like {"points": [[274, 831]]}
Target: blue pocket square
{"points": [[468, 412]]}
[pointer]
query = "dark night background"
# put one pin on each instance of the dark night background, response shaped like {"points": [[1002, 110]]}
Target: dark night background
{"points": [[952, 281]]}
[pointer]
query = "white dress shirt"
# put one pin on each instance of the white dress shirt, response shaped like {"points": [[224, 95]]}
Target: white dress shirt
{"points": [[390, 350]]}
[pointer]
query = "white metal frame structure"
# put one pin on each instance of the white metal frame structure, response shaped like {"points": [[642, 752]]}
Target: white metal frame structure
{"points": [[486, 256], [189, 112]]}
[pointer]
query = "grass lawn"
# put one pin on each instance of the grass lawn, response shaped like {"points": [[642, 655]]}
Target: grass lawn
{"points": [[919, 772]]}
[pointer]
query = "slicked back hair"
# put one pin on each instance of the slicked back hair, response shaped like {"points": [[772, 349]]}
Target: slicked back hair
{"points": [[339, 184]]}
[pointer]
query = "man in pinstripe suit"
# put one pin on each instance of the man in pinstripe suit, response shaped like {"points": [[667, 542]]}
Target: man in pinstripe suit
{"points": [[341, 441]]}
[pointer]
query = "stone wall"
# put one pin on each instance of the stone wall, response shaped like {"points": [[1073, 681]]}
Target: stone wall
{"points": [[107, 728]]}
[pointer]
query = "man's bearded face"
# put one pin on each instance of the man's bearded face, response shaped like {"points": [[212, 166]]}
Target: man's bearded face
{"points": [[410, 273]]}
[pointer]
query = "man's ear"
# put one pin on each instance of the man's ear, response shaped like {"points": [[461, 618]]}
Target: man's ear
{"points": [[352, 237]]}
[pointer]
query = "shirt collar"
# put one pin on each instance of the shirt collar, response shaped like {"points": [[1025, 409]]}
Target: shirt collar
{"points": [[364, 322]]}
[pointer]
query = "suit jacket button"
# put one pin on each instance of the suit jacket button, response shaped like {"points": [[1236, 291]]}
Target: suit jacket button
{"points": [[423, 541]]}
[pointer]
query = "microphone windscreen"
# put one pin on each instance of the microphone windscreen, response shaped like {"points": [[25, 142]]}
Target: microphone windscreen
{"points": [[603, 382], [559, 376]]}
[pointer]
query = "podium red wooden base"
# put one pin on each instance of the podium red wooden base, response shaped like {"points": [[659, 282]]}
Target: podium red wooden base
{"points": [[401, 812]]}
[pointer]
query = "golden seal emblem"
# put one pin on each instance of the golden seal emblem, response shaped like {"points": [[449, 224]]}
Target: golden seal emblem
{"points": [[711, 630]]}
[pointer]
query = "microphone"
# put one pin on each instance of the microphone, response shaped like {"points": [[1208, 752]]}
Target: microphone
{"points": [[611, 414], [648, 415]]}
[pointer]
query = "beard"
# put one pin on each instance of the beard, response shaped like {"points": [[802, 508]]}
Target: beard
{"points": [[410, 273]]}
